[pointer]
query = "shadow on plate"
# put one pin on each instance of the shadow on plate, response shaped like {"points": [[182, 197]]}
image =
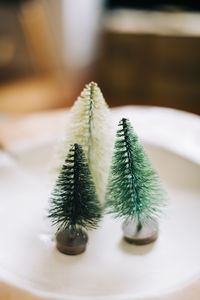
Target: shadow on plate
{"points": [[135, 249]]}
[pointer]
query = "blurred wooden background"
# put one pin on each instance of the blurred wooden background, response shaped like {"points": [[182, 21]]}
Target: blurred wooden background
{"points": [[152, 58], [148, 58]]}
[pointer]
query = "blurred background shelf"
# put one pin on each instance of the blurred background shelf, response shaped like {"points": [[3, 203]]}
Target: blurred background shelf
{"points": [[140, 53]]}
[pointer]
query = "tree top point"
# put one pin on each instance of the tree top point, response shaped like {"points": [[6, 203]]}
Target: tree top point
{"points": [[123, 120], [92, 85]]}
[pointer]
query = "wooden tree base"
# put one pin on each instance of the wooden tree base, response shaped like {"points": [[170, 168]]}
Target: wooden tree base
{"points": [[71, 245], [145, 235]]}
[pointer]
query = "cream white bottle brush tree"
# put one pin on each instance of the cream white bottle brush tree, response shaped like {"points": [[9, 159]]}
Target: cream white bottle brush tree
{"points": [[90, 126]]}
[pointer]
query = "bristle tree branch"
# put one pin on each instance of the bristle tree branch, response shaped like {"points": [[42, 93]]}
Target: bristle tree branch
{"points": [[134, 191], [90, 126]]}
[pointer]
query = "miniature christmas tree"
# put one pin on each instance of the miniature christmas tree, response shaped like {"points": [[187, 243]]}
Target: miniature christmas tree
{"points": [[74, 203], [89, 126], [134, 192]]}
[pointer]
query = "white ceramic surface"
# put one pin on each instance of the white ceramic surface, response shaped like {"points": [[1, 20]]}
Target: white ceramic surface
{"points": [[31, 267]]}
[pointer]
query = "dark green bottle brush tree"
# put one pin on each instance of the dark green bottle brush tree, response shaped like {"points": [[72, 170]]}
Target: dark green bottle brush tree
{"points": [[134, 192], [74, 205]]}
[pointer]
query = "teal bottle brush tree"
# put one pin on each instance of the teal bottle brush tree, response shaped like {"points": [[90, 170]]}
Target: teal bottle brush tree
{"points": [[134, 192], [89, 125], [74, 205]]}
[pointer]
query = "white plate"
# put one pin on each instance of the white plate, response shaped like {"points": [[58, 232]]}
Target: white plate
{"points": [[110, 269], [31, 267]]}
